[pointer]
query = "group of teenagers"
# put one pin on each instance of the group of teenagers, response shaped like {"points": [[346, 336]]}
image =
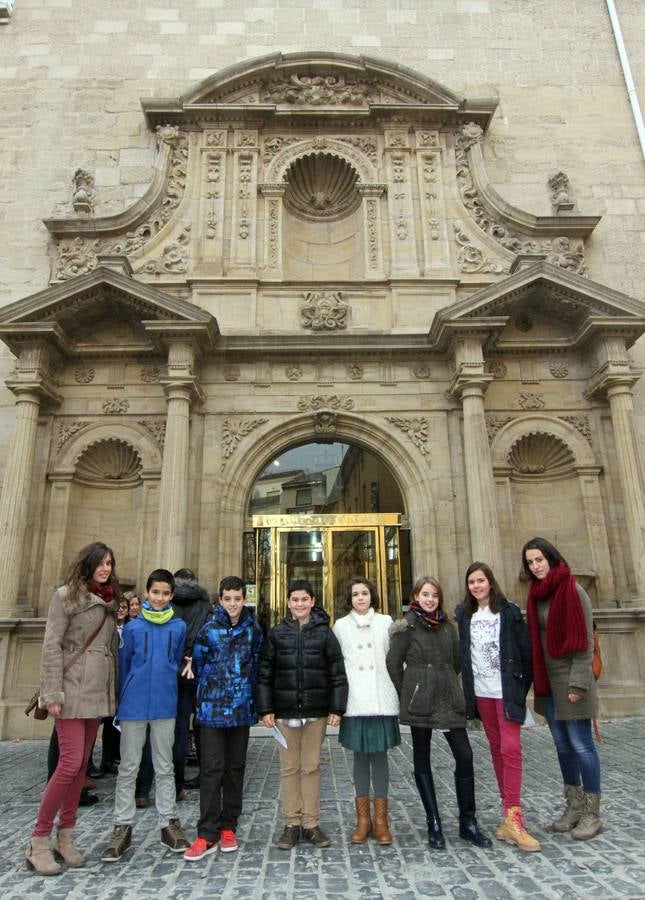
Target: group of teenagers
{"points": [[366, 674]]}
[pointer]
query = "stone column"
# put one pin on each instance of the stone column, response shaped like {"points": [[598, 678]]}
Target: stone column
{"points": [[59, 499], [482, 513], [619, 394], [173, 494], [469, 384], [15, 495]]}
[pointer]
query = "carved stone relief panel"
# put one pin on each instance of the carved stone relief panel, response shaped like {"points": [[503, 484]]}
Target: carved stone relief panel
{"points": [[324, 311], [432, 202], [401, 213]]}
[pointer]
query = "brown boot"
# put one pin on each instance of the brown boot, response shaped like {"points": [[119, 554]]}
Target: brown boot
{"points": [[40, 857], [575, 807], [513, 831], [381, 826], [64, 847], [363, 821], [589, 825]]}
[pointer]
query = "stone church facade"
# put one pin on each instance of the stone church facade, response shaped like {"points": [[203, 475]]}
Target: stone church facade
{"points": [[320, 255]]}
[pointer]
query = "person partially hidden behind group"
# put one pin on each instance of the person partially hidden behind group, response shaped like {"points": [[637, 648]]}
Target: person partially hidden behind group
{"points": [[78, 688], [558, 612], [424, 662]]}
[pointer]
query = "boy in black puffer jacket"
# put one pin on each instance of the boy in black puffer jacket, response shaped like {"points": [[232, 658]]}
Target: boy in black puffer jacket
{"points": [[301, 687]]}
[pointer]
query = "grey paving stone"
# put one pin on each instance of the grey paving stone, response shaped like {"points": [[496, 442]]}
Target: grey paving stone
{"points": [[609, 866]]}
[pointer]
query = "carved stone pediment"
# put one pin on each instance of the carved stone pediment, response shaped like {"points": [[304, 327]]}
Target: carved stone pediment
{"points": [[103, 311], [505, 314], [337, 82]]}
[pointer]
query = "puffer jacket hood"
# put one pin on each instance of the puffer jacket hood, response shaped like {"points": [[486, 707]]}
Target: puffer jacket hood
{"points": [[188, 591]]}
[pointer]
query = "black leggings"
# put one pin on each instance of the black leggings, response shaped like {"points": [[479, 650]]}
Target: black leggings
{"points": [[459, 744]]}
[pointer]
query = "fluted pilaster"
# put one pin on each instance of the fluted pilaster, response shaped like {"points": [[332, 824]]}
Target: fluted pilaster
{"points": [[173, 496], [15, 497]]}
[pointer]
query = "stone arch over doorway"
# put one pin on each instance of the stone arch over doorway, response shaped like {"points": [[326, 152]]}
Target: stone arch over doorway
{"points": [[409, 468]]}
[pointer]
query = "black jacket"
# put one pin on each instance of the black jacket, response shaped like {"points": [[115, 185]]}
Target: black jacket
{"points": [[191, 603], [514, 658], [302, 673]]}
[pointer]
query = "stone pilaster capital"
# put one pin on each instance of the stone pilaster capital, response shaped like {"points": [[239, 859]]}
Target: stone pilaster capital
{"points": [[269, 189], [34, 390], [469, 384], [366, 189], [608, 383], [182, 389]]}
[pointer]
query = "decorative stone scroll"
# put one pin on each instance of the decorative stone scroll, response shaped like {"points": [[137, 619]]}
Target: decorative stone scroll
{"points": [[324, 311], [174, 258], [559, 251], [116, 406], [531, 401], [319, 402], [581, 424], [157, 429], [495, 424], [416, 429], [233, 430], [317, 90], [471, 259], [66, 430]]}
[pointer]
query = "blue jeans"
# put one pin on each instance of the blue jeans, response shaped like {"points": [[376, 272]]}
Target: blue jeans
{"points": [[576, 750]]}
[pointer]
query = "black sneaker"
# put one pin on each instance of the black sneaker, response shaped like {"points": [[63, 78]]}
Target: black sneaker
{"points": [[289, 837], [316, 836], [119, 843], [173, 837]]}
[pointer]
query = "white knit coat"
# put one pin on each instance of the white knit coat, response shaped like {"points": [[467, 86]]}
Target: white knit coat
{"points": [[364, 641]]}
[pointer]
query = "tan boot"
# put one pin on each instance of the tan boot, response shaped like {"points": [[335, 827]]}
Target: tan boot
{"points": [[575, 807], [64, 847], [40, 857], [363, 821], [381, 826], [589, 825], [513, 831]]}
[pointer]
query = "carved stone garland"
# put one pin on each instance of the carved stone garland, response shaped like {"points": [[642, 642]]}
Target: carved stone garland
{"points": [[233, 430]]}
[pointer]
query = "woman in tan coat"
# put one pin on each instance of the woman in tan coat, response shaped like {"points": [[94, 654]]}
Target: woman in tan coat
{"points": [[78, 688], [558, 613]]}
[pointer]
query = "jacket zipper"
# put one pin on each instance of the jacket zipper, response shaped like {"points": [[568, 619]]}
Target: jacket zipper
{"points": [[300, 671], [414, 693]]}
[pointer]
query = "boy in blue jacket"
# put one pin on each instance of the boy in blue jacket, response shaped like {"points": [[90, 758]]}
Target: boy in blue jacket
{"points": [[225, 661], [150, 655]]}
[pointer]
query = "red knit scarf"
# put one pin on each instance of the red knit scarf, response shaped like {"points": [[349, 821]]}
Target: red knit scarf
{"points": [[104, 591], [432, 618], [566, 629]]}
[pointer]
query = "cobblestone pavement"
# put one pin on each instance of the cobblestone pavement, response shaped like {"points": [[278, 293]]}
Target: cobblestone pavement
{"points": [[612, 865]]}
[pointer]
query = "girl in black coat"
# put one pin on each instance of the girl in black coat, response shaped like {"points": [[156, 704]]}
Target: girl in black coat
{"points": [[496, 675]]}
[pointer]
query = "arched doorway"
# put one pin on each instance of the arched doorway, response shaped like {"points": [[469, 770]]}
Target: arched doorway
{"points": [[325, 512]]}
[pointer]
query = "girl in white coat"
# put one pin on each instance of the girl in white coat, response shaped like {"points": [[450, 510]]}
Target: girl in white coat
{"points": [[370, 725]]}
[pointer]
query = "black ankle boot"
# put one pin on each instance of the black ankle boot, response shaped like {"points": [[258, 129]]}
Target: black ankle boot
{"points": [[468, 829], [425, 786]]}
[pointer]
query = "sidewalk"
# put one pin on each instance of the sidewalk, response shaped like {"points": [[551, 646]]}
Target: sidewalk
{"points": [[611, 866]]}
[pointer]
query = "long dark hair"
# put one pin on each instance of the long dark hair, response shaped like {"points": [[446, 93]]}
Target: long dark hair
{"points": [[470, 604], [548, 551], [427, 579], [374, 600], [81, 570]]}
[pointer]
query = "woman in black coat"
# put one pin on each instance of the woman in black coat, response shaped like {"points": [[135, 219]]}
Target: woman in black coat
{"points": [[496, 676]]}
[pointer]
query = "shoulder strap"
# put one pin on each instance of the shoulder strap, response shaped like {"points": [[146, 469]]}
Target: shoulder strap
{"points": [[75, 658]]}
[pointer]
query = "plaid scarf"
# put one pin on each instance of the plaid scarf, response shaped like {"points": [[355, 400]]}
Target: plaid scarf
{"points": [[432, 618]]}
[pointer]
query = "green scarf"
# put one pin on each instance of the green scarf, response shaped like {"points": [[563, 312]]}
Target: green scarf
{"points": [[157, 616]]}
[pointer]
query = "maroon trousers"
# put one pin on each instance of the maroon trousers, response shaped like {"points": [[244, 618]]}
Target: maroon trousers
{"points": [[505, 748]]}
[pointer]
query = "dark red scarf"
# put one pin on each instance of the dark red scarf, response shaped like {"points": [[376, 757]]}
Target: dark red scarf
{"points": [[432, 618], [104, 591], [566, 629]]}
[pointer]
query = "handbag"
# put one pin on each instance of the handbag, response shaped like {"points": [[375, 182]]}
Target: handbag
{"points": [[41, 712], [596, 668]]}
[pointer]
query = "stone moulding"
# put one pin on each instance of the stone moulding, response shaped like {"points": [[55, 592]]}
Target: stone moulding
{"points": [[82, 239], [560, 239]]}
